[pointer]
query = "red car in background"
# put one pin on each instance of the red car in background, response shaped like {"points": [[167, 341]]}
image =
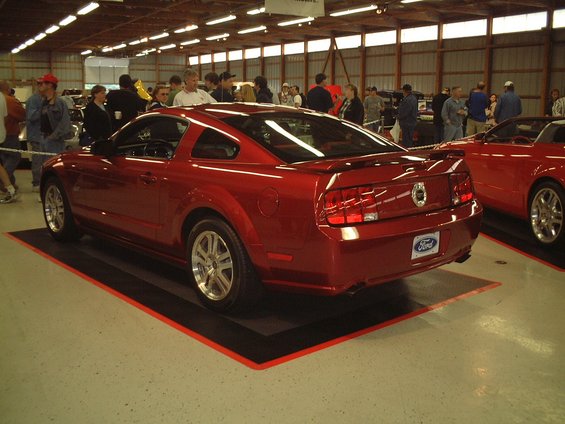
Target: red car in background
{"points": [[518, 167], [254, 196]]}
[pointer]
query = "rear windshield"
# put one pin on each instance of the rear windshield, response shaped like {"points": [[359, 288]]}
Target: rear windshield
{"points": [[299, 137]]}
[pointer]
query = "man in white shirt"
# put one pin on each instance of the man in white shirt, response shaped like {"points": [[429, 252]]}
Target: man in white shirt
{"points": [[191, 94], [295, 94]]}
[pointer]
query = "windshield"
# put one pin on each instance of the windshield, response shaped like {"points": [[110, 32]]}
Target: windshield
{"points": [[528, 128], [298, 137]]}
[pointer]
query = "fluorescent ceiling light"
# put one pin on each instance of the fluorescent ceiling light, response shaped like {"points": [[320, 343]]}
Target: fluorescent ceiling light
{"points": [[168, 46], [356, 10], [141, 54], [217, 37], [30, 42], [256, 11], [149, 50], [106, 49], [68, 20], [162, 35], [16, 50], [52, 29], [296, 21], [186, 43], [248, 30], [119, 46], [186, 29], [88, 8], [86, 52], [136, 42], [409, 1], [220, 20], [22, 46], [40, 36]]}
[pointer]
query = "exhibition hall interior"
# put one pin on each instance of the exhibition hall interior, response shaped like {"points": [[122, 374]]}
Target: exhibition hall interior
{"points": [[282, 211]]}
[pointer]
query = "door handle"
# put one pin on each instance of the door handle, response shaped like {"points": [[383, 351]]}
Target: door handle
{"points": [[148, 178]]}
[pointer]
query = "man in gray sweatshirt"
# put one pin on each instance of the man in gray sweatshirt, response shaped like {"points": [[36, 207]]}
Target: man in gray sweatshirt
{"points": [[452, 113]]}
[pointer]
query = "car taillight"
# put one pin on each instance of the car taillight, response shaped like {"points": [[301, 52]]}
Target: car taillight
{"points": [[350, 206], [461, 188]]}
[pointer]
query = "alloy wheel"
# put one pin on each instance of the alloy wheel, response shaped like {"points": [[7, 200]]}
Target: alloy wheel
{"points": [[54, 208], [546, 215], [212, 265]]}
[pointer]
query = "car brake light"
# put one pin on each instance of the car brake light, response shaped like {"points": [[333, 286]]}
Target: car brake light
{"points": [[350, 206], [461, 188]]}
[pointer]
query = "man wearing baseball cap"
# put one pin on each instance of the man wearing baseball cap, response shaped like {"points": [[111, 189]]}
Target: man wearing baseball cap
{"points": [[508, 105], [54, 118], [223, 92]]}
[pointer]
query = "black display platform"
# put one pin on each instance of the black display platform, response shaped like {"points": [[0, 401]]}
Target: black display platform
{"points": [[281, 328], [516, 234]]}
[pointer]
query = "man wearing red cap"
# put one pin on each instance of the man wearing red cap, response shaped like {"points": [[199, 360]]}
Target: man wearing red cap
{"points": [[55, 122]]}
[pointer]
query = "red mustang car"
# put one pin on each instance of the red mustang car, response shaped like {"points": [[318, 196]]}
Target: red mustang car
{"points": [[518, 167], [248, 196]]}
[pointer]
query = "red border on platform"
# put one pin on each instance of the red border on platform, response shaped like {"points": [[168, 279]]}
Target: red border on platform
{"points": [[521, 252], [233, 355]]}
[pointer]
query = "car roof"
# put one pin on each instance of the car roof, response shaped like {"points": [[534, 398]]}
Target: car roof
{"points": [[224, 110]]}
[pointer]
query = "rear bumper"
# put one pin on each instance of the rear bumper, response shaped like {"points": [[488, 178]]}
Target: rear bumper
{"points": [[339, 259]]}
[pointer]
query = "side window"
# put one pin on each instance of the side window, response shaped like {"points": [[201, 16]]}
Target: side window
{"points": [[156, 137], [214, 145]]}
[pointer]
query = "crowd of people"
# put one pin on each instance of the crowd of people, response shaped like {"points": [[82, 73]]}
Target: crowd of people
{"points": [[48, 124]]}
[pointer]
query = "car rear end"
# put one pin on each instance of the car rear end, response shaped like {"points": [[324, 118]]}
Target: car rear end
{"points": [[385, 218], [377, 212]]}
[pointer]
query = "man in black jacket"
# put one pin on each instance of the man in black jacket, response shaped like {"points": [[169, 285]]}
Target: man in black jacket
{"points": [[124, 104], [437, 104], [408, 115], [318, 97]]}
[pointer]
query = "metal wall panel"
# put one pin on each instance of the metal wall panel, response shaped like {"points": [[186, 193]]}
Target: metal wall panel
{"points": [[294, 70], [253, 68], [464, 61], [204, 69], [466, 81], [465, 43], [558, 67], [352, 60], [236, 67], [419, 47], [273, 72], [315, 65], [517, 58], [527, 37], [418, 70]]}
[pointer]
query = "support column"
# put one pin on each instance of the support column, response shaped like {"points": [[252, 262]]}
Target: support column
{"points": [[398, 70], [487, 74], [547, 62], [439, 60], [306, 69], [262, 61], [363, 73], [332, 60]]}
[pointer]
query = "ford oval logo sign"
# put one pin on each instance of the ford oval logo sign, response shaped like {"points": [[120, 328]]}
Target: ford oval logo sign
{"points": [[425, 244], [419, 194]]}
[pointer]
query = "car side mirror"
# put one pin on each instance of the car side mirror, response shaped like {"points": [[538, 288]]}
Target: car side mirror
{"points": [[104, 148]]}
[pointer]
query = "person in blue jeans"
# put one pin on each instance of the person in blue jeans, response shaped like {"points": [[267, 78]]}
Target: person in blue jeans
{"points": [[33, 131], [408, 115], [55, 121]]}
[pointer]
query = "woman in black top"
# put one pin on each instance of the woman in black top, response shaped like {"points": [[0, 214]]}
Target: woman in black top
{"points": [[263, 94], [97, 123], [159, 97], [352, 108]]}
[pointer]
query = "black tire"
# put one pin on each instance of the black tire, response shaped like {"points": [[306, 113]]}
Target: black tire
{"points": [[546, 213], [57, 212], [220, 268]]}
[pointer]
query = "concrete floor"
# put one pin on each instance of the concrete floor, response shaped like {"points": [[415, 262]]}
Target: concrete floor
{"points": [[73, 353]]}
